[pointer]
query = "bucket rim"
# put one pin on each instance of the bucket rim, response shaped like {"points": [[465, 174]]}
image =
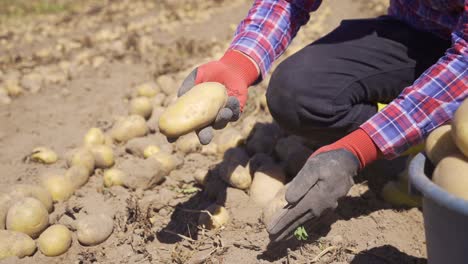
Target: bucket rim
{"points": [[432, 191]]}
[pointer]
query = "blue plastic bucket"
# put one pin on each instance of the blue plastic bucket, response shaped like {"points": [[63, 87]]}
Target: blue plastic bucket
{"points": [[445, 217]]}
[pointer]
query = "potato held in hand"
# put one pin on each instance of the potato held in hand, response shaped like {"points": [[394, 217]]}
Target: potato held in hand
{"points": [[55, 240], [194, 110], [17, 244]]}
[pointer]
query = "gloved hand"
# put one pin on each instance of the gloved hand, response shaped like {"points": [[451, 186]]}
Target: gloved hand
{"points": [[325, 177], [236, 72]]}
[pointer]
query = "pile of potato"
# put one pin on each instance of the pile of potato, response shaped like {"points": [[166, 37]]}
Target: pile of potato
{"points": [[447, 149], [25, 208]]}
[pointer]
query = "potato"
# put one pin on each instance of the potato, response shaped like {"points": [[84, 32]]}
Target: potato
{"points": [[142, 173], [451, 173], [81, 157], [148, 89], [137, 146], [274, 206], [188, 143], [15, 244], [194, 110], [34, 191], [59, 187], [153, 122], [103, 156], [130, 127], [460, 127], [233, 169], [92, 230], [229, 138], [77, 175], [150, 150], [168, 162], [248, 125], [114, 177], [94, 137], [27, 215], [440, 144], [55, 240], [394, 194], [44, 155], [141, 106], [201, 176], [5, 203], [219, 217], [267, 181]]}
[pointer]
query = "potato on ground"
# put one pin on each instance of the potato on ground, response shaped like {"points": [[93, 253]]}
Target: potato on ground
{"points": [[460, 128], [153, 122], [103, 156], [274, 206], [94, 229], [60, 187], [233, 169], [147, 89], [77, 175], [229, 138], [94, 137], [440, 144], [15, 244], [217, 218], [81, 157], [137, 146], [141, 173], [267, 181], [129, 127], [395, 194], [188, 143], [44, 155], [114, 177], [167, 84], [55, 240], [29, 216], [196, 109], [168, 162], [141, 106], [34, 191], [5, 203], [451, 173]]}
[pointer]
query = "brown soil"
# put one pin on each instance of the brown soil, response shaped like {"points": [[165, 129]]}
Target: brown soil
{"points": [[88, 76]]}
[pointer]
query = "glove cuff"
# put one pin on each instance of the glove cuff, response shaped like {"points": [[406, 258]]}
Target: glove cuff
{"points": [[242, 65], [358, 143]]}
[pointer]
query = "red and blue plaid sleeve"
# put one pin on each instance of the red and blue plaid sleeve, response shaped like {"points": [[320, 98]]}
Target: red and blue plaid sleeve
{"points": [[430, 102], [269, 28]]}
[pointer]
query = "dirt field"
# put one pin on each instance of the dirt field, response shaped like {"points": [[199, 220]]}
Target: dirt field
{"points": [[90, 58]]}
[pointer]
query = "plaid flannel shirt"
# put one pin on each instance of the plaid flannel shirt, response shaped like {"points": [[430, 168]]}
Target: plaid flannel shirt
{"points": [[430, 102]]}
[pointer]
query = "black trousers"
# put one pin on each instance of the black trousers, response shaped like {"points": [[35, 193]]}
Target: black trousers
{"points": [[331, 86]]}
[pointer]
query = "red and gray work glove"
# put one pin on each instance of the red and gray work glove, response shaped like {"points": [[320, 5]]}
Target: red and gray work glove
{"points": [[236, 72], [325, 177]]}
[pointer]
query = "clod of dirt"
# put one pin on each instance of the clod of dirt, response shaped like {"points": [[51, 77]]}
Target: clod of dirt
{"points": [[142, 173], [153, 122], [293, 153], [94, 229], [137, 146], [167, 84]]}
